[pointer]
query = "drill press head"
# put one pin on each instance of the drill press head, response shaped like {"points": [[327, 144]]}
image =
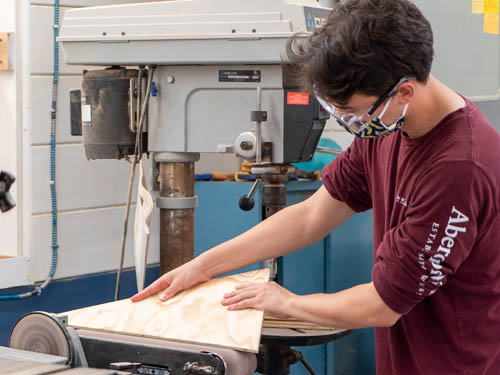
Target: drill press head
{"points": [[6, 200], [219, 75]]}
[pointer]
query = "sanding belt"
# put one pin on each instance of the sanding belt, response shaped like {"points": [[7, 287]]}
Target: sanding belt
{"points": [[237, 362]]}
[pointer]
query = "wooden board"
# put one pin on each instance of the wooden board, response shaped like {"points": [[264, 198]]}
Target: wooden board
{"points": [[4, 51], [296, 325], [274, 322], [195, 315]]}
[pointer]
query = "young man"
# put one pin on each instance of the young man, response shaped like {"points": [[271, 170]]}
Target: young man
{"points": [[428, 164]]}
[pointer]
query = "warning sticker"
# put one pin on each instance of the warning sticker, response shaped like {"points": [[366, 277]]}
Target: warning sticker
{"points": [[297, 98]]}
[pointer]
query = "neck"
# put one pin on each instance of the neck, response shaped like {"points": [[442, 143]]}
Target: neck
{"points": [[431, 104]]}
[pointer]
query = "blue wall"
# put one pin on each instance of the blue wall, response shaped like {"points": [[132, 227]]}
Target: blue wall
{"points": [[66, 295], [343, 259], [349, 251]]}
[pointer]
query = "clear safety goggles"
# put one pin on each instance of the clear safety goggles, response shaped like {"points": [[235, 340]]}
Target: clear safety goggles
{"points": [[355, 123]]}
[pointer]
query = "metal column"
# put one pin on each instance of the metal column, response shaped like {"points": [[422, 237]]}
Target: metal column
{"points": [[177, 202]]}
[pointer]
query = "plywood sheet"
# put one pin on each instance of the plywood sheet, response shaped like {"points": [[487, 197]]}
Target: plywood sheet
{"points": [[195, 315], [274, 322]]}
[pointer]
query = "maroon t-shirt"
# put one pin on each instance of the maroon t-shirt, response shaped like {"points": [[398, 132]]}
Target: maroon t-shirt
{"points": [[436, 224]]}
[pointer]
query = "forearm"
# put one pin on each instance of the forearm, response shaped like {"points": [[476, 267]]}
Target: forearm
{"points": [[357, 307], [280, 234], [288, 230]]}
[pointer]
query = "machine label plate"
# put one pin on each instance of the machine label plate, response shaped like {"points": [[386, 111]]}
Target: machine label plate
{"points": [[239, 75], [315, 18]]}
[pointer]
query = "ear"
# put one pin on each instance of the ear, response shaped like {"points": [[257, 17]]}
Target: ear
{"points": [[406, 92]]}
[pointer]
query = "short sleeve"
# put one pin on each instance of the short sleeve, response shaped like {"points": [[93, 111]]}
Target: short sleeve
{"points": [[417, 257], [345, 178]]}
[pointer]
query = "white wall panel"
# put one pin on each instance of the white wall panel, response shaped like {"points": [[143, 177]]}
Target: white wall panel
{"points": [[337, 133], [9, 124], [80, 183], [89, 242], [14, 272], [41, 103], [42, 43], [343, 138]]}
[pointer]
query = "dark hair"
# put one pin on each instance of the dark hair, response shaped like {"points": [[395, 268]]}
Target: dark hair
{"points": [[366, 46]]}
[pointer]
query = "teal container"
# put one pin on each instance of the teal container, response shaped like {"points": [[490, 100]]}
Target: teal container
{"points": [[319, 159]]}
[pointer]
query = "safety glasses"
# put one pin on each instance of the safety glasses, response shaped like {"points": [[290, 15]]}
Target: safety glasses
{"points": [[354, 123]]}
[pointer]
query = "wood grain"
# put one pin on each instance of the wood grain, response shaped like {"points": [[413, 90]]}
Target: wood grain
{"points": [[4, 51], [194, 315]]}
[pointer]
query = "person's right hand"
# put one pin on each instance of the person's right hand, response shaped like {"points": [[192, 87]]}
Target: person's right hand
{"points": [[175, 281]]}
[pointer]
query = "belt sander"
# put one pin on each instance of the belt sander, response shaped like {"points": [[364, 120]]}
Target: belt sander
{"points": [[84, 349]]}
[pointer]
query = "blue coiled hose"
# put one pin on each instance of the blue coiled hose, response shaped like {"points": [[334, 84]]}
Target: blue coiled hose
{"points": [[38, 289]]}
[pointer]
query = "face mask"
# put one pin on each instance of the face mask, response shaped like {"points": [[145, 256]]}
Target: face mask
{"points": [[374, 128]]}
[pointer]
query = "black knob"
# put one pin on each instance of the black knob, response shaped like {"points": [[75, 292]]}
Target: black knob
{"points": [[245, 203]]}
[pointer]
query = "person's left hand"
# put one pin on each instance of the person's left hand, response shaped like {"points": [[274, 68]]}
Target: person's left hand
{"points": [[268, 297]]}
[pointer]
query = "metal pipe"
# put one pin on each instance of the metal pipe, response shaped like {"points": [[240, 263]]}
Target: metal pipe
{"points": [[254, 188], [176, 225], [125, 229], [138, 101], [326, 150], [138, 144], [258, 128]]}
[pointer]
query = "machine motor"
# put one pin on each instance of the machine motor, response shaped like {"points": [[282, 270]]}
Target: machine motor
{"points": [[103, 112]]}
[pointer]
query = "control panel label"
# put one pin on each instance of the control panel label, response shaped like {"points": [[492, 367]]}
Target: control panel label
{"points": [[239, 75], [315, 18], [297, 98]]}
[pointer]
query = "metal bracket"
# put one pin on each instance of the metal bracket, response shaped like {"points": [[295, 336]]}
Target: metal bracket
{"points": [[196, 369], [177, 203], [79, 360], [267, 152], [132, 103], [138, 368], [258, 116], [75, 101]]}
